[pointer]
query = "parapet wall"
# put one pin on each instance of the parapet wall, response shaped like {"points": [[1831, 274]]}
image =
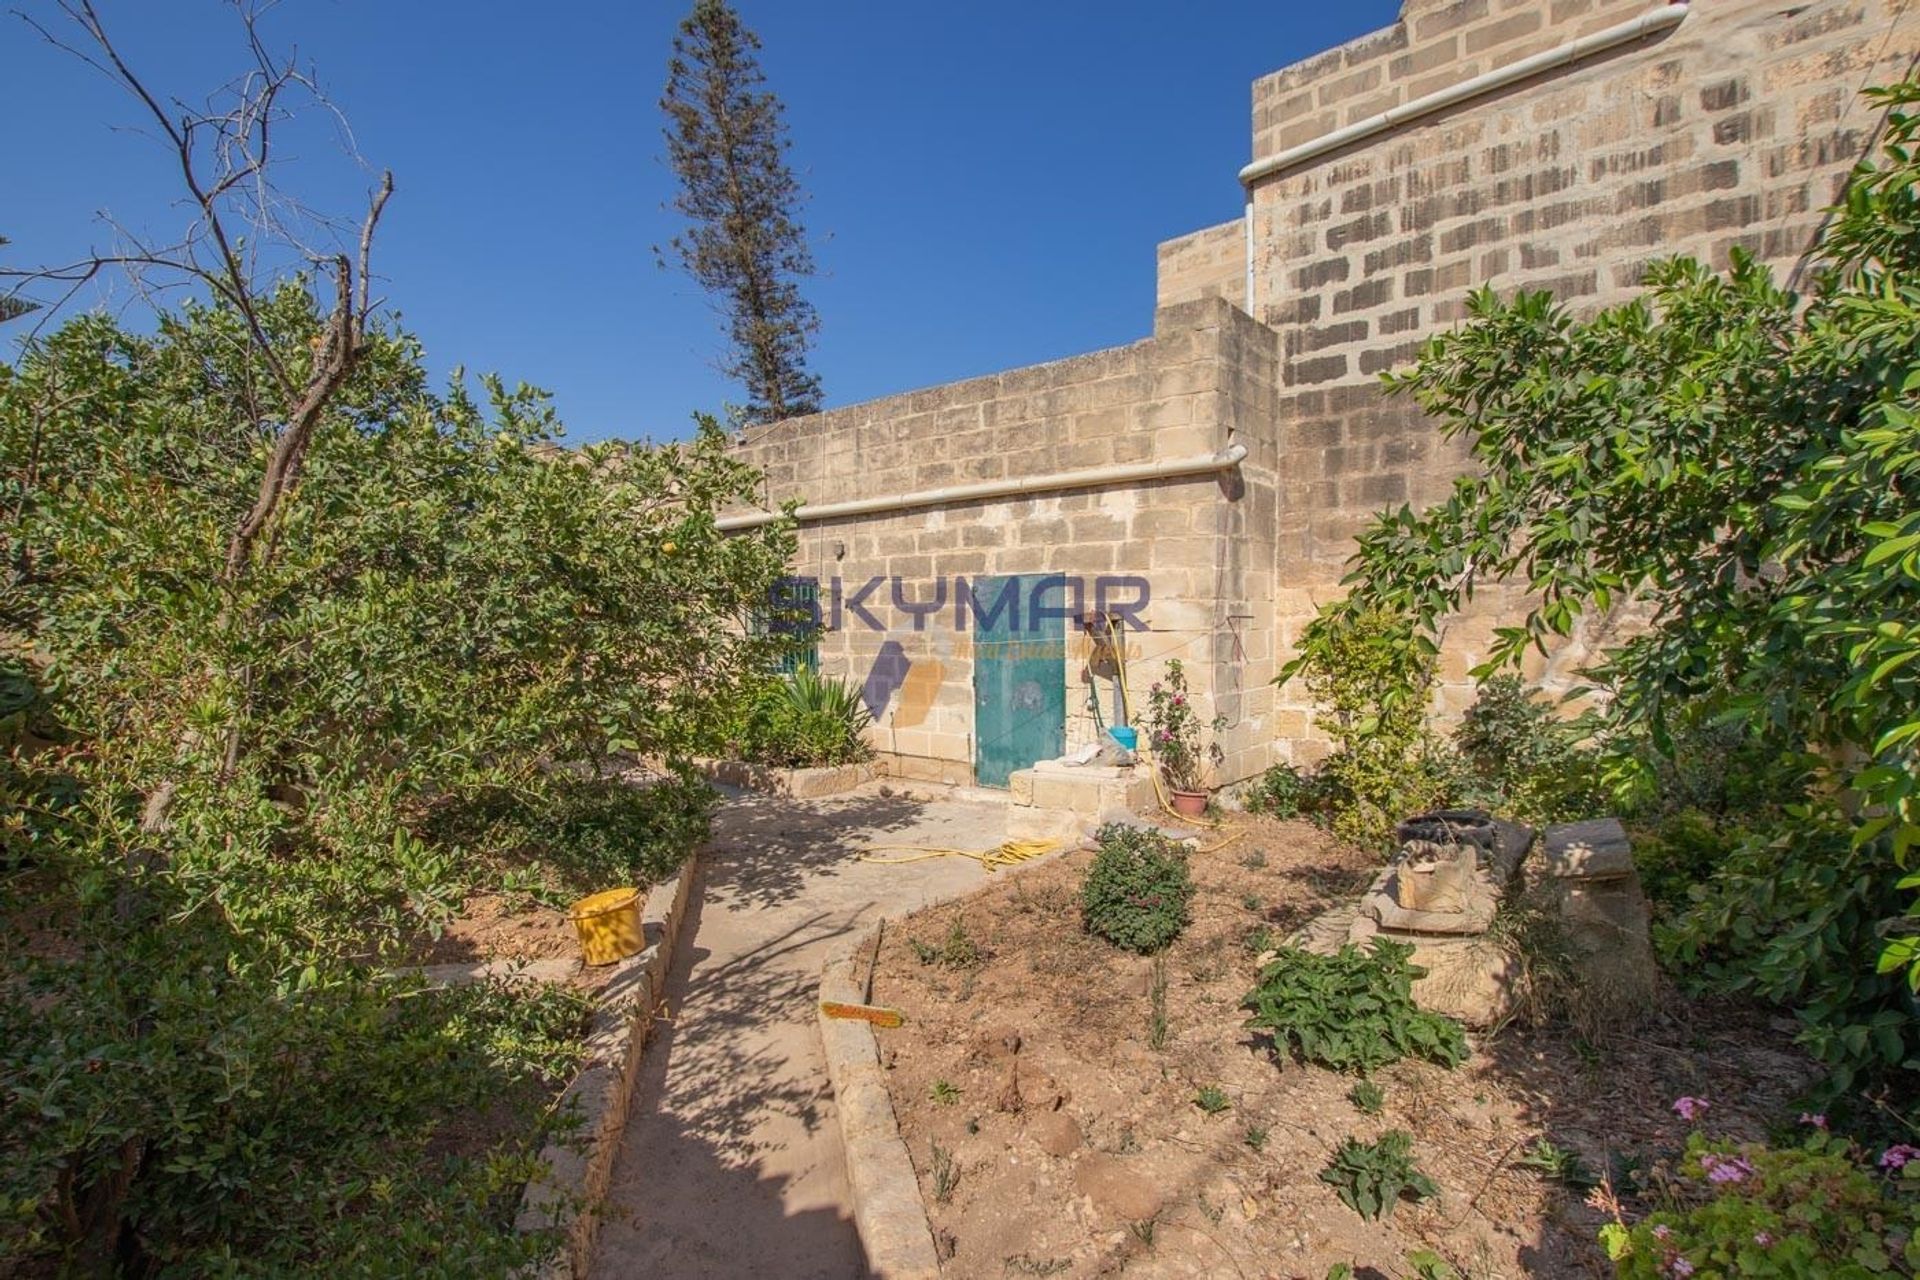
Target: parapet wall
{"points": [[1205, 380], [1737, 127]]}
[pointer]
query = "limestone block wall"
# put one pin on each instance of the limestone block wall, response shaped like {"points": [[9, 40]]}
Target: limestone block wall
{"points": [[1204, 380], [1735, 128], [1206, 264]]}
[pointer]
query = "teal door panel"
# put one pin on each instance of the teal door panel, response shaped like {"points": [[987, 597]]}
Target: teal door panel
{"points": [[1019, 674]]}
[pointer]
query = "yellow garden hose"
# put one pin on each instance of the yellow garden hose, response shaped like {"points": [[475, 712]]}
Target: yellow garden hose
{"points": [[1006, 855]]}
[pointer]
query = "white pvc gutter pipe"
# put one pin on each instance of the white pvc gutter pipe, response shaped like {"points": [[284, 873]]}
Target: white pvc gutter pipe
{"points": [[1654, 20], [1051, 482]]}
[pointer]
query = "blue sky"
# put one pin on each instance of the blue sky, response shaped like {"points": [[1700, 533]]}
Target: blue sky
{"points": [[988, 179]]}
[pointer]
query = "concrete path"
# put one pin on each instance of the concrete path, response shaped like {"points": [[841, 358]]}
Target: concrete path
{"points": [[731, 1164]]}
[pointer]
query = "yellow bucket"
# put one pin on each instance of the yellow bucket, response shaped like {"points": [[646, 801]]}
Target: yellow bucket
{"points": [[609, 925]]}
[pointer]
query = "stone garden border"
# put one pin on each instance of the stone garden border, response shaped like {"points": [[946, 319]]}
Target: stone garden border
{"points": [[574, 1188], [887, 1210], [801, 784]]}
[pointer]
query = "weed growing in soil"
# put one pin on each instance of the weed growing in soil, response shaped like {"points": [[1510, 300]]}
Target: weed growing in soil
{"points": [[1212, 1099], [1021, 1264], [944, 1093], [1258, 940], [1143, 1230], [1353, 1011], [1157, 1029], [1368, 1097], [1137, 891], [1559, 1164], [1256, 1136], [957, 951], [1428, 1265], [1370, 1177], [1254, 861], [946, 1173]]}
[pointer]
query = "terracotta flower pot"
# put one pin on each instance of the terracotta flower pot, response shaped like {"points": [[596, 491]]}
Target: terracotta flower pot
{"points": [[1189, 804]]}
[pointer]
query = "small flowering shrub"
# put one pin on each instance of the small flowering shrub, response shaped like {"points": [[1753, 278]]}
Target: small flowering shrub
{"points": [[1174, 732], [1821, 1209], [1137, 890]]}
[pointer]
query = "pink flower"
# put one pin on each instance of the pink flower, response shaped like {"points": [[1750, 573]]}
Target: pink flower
{"points": [[1814, 1118], [1679, 1267], [1725, 1168], [1179, 699], [1897, 1155], [1691, 1109], [1762, 1238], [1661, 1231]]}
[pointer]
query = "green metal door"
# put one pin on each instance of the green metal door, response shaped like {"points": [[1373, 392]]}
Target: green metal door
{"points": [[1019, 674]]}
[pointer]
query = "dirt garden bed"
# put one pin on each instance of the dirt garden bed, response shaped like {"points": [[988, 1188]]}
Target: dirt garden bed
{"points": [[1068, 1144]]}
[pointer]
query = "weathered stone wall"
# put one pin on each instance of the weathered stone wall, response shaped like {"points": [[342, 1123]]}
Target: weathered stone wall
{"points": [[1735, 128], [1205, 380], [1206, 264]]}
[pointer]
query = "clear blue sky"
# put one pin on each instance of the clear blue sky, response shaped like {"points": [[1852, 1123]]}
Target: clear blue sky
{"points": [[988, 179]]}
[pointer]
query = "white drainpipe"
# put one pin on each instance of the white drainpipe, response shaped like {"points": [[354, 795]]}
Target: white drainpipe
{"points": [[1052, 482], [1667, 15]]}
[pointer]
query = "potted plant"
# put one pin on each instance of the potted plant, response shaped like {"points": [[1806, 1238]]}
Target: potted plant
{"points": [[1173, 735]]}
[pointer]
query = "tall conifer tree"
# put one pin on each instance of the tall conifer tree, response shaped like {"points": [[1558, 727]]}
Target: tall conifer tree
{"points": [[727, 142]]}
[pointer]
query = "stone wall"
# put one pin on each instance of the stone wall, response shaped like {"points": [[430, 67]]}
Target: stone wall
{"points": [[1206, 264], [1205, 380], [1735, 128]]}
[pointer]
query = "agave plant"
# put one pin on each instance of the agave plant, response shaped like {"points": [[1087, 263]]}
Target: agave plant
{"points": [[808, 720], [809, 694]]}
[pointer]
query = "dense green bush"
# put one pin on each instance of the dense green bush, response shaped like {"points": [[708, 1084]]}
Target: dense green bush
{"points": [[806, 720], [1750, 1210], [1278, 792], [1369, 673], [235, 787], [1523, 760], [1791, 916], [1744, 465], [1353, 1011], [1136, 893], [580, 834]]}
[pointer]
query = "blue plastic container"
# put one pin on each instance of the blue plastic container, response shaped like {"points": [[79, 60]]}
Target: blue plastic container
{"points": [[1126, 735]]}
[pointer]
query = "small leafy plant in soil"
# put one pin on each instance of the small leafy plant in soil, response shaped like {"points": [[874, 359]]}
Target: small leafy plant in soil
{"points": [[1371, 1177], [1353, 1011], [1138, 890]]}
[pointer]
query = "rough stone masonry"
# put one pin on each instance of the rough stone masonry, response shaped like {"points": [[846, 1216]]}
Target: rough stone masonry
{"points": [[1735, 125]]}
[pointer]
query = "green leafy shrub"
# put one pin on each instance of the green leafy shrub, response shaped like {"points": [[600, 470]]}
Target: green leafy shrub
{"points": [[1277, 792], [1136, 893], [1751, 1210], [1741, 463], [1793, 916], [1679, 852], [1371, 1177], [1522, 759], [1370, 673], [1212, 1099], [272, 768], [807, 721], [1353, 1011]]}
